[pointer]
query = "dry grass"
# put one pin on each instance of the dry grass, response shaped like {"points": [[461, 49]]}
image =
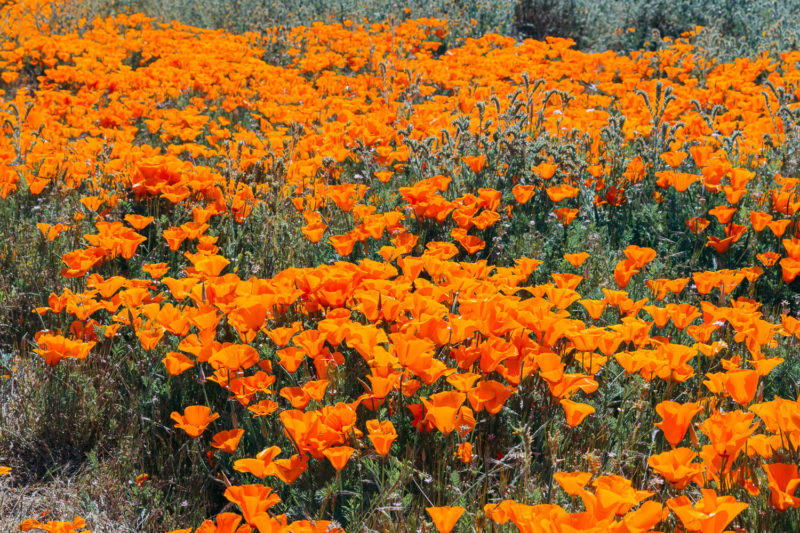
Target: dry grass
{"points": [[65, 496]]}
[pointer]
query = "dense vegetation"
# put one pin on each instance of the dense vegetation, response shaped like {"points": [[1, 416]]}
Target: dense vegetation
{"points": [[295, 266]]}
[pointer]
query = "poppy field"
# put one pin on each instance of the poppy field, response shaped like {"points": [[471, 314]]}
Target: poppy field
{"points": [[370, 276]]}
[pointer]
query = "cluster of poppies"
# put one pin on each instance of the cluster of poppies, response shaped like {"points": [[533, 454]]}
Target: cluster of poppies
{"points": [[158, 129]]}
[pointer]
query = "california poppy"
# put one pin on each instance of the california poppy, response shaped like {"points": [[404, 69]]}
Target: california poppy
{"points": [[195, 419], [253, 500], [227, 441], [575, 411], [445, 518], [676, 418], [339, 455]]}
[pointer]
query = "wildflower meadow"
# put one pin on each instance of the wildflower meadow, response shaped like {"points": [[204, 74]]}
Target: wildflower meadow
{"points": [[398, 268]]}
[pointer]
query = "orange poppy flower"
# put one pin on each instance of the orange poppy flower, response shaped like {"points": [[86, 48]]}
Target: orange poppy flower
{"points": [[489, 395], [445, 518], [523, 193], [195, 419], [177, 363], [253, 500], [576, 412], [226, 523], [759, 220], [475, 163], [682, 315], [790, 269], [728, 432], [741, 384], [676, 419], [676, 467], [566, 280], [711, 514], [55, 526], [614, 496], [382, 434], [234, 357], [258, 465], [783, 482], [595, 308], [566, 215], [673, 159], [138, 221], [227, 441], [442, 408], [573, 483], [464, 452], [156, 270], [339, 455], [557, 193], [50, 232], [778, 227], [697, 225], [545, 170], [471, 243], [624, 271], [577, 259], [768, 259], [722, 213], [639, 255], [463, 382]]}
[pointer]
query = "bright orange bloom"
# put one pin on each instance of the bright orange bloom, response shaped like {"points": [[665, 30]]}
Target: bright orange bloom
{"points": [[709, 515], [723, 213], [783, 482], [573, 483], [566, 215], [595, 308], [475, 163], [55, 526], [545, 170], [676, 467], [790, 268], [489, 395], [138, 221], [382, 434], [50, 232], [442, 409], [226, 523], [676, 419], [575, 411], [194, 420], [177, 363], [556, 193], [227, 441], [624, 271], [577, 259], [253, 500], [445, 518], [728, 432], [614, 496], [674, 159], [339, 455], [640, 256], [523, 193], [741, 384], [156, 270], [234, 357], [54, 348], [464, 452]]}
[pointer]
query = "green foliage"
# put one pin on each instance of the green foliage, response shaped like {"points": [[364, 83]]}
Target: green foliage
{"points": [[732, 28]]}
